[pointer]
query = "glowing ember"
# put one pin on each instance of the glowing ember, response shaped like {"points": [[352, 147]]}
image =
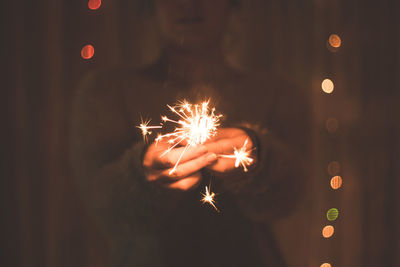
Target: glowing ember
{"points": [[145, 128], [241, 156], [197, 124], [209, 198]]}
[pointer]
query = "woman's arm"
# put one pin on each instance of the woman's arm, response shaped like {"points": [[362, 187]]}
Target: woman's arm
{"points": [[275, 182], [106, 160]]}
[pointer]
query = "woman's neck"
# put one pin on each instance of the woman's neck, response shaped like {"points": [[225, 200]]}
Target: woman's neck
{"points": [[195, 66]]}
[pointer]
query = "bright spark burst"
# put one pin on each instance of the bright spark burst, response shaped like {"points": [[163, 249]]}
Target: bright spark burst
{"points": [[197, 123], [241, 156], [209, 198], [145, 128]]}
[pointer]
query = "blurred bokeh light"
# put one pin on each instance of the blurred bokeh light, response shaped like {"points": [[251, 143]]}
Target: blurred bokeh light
{"points": [[327, 86], [328, 231], [332, 214], [87, 52], [335, 41], [336, 182], [334, 168], [94, 4], [332, 125]]}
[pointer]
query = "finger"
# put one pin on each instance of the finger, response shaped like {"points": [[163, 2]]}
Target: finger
{"points": [[223, 165], [183, 154], [227, 133], [226, 146], [153, 152], [189, 167], [186, 183]]}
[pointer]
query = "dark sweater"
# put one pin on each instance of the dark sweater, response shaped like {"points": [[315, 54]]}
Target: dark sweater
{"points": [[152, 226]]}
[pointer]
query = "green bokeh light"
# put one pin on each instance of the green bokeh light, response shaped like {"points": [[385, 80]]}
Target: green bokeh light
{"points": [[332, 214]]}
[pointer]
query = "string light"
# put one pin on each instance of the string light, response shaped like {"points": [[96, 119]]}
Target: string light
{"points": [[333, 44], [335, 41], [332, 214], [328, 231], [94, 4], [87, 52], [336, 182], [327, 86]]}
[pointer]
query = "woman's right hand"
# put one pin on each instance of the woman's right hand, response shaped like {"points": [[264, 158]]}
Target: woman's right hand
{"points": [[160, 168]]}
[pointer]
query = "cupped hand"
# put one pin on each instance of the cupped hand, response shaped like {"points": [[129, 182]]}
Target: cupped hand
{"points": [[160, 166], [224, 143]]}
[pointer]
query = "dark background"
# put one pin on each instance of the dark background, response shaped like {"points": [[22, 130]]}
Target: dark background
{"points": [[43, 222]]}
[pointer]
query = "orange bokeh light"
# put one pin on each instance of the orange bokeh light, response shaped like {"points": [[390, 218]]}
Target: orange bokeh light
{"points": [[94, 4], [334, 41], [87, 52], [332, 125], [327, 86], [333, 168], [336, 182], [328, 231], [326, 265]]}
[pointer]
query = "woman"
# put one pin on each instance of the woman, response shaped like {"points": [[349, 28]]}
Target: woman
{"points": [[152, 215]]}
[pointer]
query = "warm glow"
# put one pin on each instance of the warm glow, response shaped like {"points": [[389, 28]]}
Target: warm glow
{"points": [[336, 182], [146, 129], [87, 52], [328, 231], [327, 86], [241, 156], [208, 197], [333, 168], [332, 125], [326, 265], [196, 124], [332, 214], [94, 4], [335, 41]]}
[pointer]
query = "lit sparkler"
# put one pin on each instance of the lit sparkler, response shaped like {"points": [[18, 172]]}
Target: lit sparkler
{"points": [[197, 124], [209, 198], [145, 128], [241, 156]]}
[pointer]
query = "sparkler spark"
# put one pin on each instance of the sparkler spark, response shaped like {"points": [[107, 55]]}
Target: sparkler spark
{"points": [[209, 198], [196, 124], [145, 128], [241, 156]]}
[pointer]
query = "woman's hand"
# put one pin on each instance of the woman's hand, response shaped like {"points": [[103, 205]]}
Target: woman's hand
{"points": [[223, 144], [160, 168]]}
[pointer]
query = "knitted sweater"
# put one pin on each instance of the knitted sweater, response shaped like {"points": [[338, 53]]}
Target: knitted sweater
{"points": [[152, 226]]}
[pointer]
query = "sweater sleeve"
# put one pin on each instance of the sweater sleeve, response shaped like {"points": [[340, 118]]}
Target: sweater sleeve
{"points": [[106, 160], [274, 185]]}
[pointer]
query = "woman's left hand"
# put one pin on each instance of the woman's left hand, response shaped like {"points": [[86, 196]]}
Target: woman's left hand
{"points": [[224, 143]]}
